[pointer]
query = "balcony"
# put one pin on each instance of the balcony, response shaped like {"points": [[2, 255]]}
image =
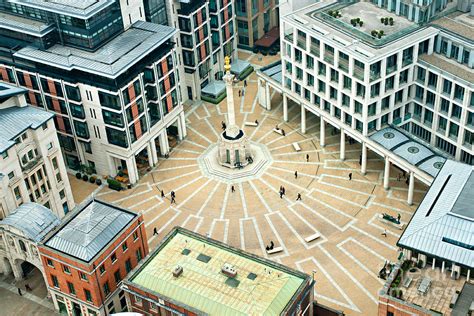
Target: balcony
{"points": [[289, 37], [31, 164]]}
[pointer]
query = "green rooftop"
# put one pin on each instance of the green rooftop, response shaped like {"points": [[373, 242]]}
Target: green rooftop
{"points": [[261, 287]]}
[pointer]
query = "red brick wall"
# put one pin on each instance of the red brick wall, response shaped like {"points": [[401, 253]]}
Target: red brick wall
{"points": [[95, 279], [397, 308]]}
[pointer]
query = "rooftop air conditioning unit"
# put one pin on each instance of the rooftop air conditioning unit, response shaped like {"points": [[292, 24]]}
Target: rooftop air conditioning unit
{"points": [[229, 270], [177, 271]]}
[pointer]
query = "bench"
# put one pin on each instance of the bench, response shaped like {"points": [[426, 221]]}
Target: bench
{"points": [[407, 282], [250, 124], [278, 131], [312, 237], [296, 146], [275, 250]]}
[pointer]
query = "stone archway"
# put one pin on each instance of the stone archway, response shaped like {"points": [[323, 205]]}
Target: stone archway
{"points": [[6, 266], [28, 274]]}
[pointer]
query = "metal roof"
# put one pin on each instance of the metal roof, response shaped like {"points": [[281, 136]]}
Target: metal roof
{"points": [[112, 59], [274, 72], [214, 88], [33, 219], [82, 9], [443, 224], [261, 287], [90, 229], [15, 120], [464, 301], [409, 149], [8, 90], [19, 24], [239, 65]]}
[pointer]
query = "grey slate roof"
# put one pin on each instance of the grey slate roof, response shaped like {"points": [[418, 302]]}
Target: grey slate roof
{"points": [[446, 212], [408, 149], [214, 88], [77, 8], [110, 60], [33, 219], [239, 65], [89, 230], [8, 90], [15, 120]]}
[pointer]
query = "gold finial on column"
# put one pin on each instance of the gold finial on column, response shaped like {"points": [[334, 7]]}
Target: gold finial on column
{"points": [[227, 63]]}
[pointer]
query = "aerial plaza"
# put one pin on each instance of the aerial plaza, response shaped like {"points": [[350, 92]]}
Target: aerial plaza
{"points": [[332, 228]]}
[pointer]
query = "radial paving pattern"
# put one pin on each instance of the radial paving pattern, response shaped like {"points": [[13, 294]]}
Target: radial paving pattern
{"points": [[351, 249]]}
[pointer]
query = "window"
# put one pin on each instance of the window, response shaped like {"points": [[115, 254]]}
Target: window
{"points": [[88, 295], [55, 163], [138, 300], [117, 277], [55, 281], [66, 269], [50, 263], [11, 175], [139, 254], [49, 146], [128, 265], [113, 257], [5, 155], [124, 247], [106, 288], [62, 194], [83, 276], [102, 269], [71, 288], [135, 236]]}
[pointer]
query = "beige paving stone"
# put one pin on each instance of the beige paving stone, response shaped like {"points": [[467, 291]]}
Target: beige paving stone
{"points": [[350, 249]]}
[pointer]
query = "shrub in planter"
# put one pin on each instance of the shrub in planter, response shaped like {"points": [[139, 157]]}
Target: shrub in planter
{"points": [[361, 23], [98, 181], [391, 22], [85, 177], [114, 184], [92, 179], [381, 33], [357, 20], [255, 50], [331, 12], [374, 33], [382, 20], [78, 175]]}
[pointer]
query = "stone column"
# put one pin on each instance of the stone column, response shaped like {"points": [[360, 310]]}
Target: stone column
{"points": [[153, 154], [342, 152], [285, 108], [386, 174], [232, 130], [132, 170], [268, 99], [363, 165], [182, 123], [163, 143], [112, 166], [442, 267], [17, 272], [411, 188], [151, 161], [303, 119], [322, 132]]}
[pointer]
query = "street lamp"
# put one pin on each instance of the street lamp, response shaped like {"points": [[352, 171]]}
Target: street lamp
{"points": [[313, 273]]}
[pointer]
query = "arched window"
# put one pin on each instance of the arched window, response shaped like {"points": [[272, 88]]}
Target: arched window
{"points": [[22, 245]]}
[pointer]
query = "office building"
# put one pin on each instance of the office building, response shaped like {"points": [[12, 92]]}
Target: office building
{"points": [[194, 275], [374, 73], [88, 255], [31, 165], [254, 19], [110, 79]]}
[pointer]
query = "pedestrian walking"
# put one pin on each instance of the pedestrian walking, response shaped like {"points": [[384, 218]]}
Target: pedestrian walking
{"points": [[283, 132], [256, 122], [240, 93], [360, 159], [223, 126], [398, 177], [298, 197], [243, 92], [350, 176], [283, 189], [384, 233], [406, 181], [173, 200], [281, 194], [245, 83], [307, 157], [162, 194], [19, 292], [404, 174], [399, 217], [232, 189], [155, 231], [296, 174]]}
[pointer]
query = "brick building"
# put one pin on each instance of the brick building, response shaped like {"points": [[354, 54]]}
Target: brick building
{"points": [[87, 256], [189, 274]]}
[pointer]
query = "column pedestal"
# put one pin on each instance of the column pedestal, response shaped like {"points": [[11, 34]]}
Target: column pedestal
{"points": [[285, 108], [411, 188], [342, 152], [386, 174], [363, 167], [303, 119], [322, 133]]}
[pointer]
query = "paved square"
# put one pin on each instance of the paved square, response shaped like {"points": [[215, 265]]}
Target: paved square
{"points": [[351, 249]]}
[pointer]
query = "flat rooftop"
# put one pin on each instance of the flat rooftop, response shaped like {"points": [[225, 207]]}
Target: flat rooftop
{"points": [[460, 23], [443, 224], [110, 60], [440, 292], [81, 9], [87, 231], [28, 26], [451, 66], [261, 287]]}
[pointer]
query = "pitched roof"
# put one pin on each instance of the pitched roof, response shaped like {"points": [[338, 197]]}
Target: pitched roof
{"points": [[443, 224], [89, 230], [33, 219]]}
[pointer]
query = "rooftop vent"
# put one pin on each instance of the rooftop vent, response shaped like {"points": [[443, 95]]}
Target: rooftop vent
{"points": [[252, 276], [177, 271], [203, 258], [185, 252], [229, 270]]}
